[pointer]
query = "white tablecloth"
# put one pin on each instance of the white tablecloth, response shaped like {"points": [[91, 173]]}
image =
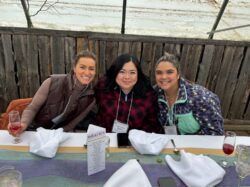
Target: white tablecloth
{"points": [[78, 139]]}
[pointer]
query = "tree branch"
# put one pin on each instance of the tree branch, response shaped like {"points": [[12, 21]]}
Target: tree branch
{"points": [[43, 5]]}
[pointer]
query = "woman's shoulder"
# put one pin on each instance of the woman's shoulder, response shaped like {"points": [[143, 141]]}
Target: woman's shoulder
{"points": [[46, 83], [61, 79], [55, 77], [197, 91], [58, 75]]}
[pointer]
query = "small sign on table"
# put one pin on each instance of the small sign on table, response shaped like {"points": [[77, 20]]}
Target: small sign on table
{"points": [[96, 142]]}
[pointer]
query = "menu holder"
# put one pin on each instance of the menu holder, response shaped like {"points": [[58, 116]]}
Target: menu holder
{"points": [[96, 144]]}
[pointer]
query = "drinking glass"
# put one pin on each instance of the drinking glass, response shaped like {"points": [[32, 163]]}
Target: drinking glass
{"points": [[15, 124], [243, 163], [9, 177], [228, 146]]}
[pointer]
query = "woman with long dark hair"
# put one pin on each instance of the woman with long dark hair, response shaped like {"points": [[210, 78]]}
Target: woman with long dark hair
{"points": [[125, 98]]}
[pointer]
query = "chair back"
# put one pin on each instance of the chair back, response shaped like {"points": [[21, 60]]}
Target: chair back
{"points": [[16, 104]]}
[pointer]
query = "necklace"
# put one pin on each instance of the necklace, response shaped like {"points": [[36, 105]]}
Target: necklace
{"points": [[171, 99]]}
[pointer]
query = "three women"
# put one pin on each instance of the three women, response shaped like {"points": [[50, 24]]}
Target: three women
{"points": [[125, 99]]}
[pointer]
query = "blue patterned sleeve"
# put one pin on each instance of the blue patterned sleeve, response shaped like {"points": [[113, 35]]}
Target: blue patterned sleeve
{"points": [[210, 118]]}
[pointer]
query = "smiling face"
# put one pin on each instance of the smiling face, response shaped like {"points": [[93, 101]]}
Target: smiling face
{"points": [[167, 76], [85, 70], [127, 77]]}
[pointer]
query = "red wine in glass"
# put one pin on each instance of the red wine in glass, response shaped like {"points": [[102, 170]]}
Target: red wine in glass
{"points": [[228, 146], [228, 149], [15, 126]]}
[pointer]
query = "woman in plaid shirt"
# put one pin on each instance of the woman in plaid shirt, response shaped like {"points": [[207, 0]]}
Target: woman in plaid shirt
{"points": [[126, 99], [185, 108]]}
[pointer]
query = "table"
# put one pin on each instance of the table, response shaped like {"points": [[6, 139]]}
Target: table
{"points": [[69, 167]]}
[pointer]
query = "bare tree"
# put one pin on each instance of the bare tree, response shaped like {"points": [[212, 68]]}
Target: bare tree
{"points": [[26, 8], [27, 14]]}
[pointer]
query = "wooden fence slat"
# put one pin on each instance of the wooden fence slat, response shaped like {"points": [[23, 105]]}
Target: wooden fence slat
{"points": [[11, 87], [20, 52], [70, 46], [224, 74], [232, 80], [102, 66], [242, 90], [146, 58], [3, 95], [205, 64], [3, 99], [44, 57], [157, 53], [190, 61], [172, 48], [82, 44], [32, 61], [57, 55], [215, 68], [111, 52], [136, 49], [94, 46], [194, 62], [184, 59], [85, 44], [247, 113], [169, 48], [124, 47], [178, 49]]}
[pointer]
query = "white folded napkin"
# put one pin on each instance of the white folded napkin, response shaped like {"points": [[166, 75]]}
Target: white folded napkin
{"points": [[46, 142], [147, 143], [130, 174], [196, 170]]}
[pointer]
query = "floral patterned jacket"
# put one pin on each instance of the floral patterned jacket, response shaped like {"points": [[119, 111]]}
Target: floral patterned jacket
{"points": [[196, 110]]}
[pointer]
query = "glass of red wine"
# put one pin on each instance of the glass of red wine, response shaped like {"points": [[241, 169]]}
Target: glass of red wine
{"points": [[228, 146], [15, 124]]}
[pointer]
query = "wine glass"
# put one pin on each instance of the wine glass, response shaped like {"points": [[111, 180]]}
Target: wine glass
{"points": [[228, 146], [15, 124], [243, 163], [10, 177]]}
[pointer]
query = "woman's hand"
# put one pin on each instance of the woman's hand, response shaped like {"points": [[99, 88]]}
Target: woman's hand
{"points": [[19, 131]]}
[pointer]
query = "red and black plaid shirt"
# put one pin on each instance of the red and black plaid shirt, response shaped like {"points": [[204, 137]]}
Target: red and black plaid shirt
{"points": [[143, 114]]}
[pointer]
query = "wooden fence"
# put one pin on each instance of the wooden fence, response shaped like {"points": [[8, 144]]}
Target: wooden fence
{"points": [[28, 56]]}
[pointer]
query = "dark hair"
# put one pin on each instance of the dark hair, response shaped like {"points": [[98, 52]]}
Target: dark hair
{"points": [[142, 84], [173, 59], [82, 54]]}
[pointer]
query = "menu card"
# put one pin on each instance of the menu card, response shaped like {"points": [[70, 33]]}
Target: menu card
{"points": [[96, 137]]}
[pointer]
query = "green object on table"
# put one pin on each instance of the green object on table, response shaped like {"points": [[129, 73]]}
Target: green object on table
{"points": [[159, 160]]}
